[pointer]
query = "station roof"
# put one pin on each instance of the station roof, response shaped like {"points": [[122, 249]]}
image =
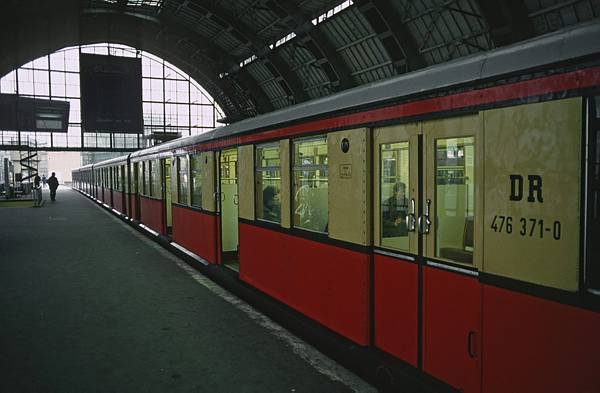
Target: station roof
{"points": [[257, 56]]}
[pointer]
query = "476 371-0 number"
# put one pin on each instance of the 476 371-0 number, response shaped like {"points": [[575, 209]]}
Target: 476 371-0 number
{"points": [[531, 227]]}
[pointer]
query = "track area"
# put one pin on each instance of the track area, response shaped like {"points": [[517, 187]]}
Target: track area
{"points": [[89, 305]]}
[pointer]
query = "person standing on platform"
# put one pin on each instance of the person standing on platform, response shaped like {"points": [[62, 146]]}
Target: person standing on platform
{"points": [[53, 184], [37, 192], [44, 180]]}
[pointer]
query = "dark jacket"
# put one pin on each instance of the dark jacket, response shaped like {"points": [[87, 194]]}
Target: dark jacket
{"points": [[391, 210], [53, 182]]}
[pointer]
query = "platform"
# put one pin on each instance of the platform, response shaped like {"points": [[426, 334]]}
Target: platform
{"points": [[88, 304]]}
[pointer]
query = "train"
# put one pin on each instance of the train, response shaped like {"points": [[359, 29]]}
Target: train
{"points": [[448, 217]]}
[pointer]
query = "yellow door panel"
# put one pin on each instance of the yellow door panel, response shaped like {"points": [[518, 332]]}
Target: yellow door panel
{"points": [[246, 181], [532, 192], [349, 179], [284, 154], [396, 185]]}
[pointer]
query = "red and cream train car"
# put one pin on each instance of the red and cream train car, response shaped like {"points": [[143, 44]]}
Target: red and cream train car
{"points": [[449, 217]]}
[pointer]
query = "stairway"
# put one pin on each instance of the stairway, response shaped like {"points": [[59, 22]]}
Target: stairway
{"points": [[28, 160]]}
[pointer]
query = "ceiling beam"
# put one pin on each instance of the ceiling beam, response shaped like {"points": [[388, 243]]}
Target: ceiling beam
{"points": [[399, 43], [260, 49], [507, 21]]}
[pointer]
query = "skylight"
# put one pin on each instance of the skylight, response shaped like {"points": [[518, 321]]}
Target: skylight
{"points": [[338, 8]]}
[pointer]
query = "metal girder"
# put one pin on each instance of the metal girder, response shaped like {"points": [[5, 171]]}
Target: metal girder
{"points": [[261, 100], [507, 21], [323, 49], [261, 49], [409, 50]]}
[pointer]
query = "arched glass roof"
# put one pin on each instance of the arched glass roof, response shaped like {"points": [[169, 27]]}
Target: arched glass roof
{"points": [[173, 103]]}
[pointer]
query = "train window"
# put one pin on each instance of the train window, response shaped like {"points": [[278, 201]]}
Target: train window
{"points": [[593, 198], [455, 198], [125, 185], [139, 168], [268, 183], [196, 179], [310, 189], [156, 183], [148, 178], [116, 178], [394, 181], [182, 180]]}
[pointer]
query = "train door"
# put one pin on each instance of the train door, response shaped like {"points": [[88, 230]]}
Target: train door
{"points": [[229, 199], [123, 188], [396, 260], [452, 248], [168, 192], [138, 175], [427, 297]]}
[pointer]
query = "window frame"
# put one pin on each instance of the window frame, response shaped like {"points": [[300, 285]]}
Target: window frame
{"points": [[192, 177], [312, 167], [257, 169]]}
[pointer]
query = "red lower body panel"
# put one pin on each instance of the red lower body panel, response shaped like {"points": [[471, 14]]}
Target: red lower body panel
{"points": [[396, 307], [118, 201], [536, 345], [451, 328], [153, 214], [327, 283], [196, 231]]}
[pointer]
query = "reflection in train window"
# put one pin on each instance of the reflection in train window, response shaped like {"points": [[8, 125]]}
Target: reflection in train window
{"points": [[196, 178], [139, 169], [148, 178], [310, 189], [156, 183], [394, 181], [455, 198], [117, 178], [268, 183], [182, 180]]}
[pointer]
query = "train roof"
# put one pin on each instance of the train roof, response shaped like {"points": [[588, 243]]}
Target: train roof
{"points": [[551, 48], [83, 168], [112, 161]]}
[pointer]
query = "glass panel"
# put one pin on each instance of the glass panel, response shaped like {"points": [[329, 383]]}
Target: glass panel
{"points": [[182, 180], [25, 82], [57, 85], [119, 177], [455, 198], [124, 183], [394, 198], [268, 183], [196, 172], [310, 173], [8, 83], [156, 183], [147, 178]]}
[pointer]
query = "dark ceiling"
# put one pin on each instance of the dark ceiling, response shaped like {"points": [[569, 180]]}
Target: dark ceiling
{"points": [[256, 56]]}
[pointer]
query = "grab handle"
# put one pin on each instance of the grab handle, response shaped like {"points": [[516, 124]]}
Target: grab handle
{"points": [[472, 344]]}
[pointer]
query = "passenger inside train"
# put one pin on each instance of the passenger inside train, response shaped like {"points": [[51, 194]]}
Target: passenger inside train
{"points": [[394, 211]]}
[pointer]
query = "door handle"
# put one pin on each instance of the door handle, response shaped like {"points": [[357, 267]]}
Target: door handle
{"points": [[236, 199], [410, 217], [472, 344], [424, 221]]}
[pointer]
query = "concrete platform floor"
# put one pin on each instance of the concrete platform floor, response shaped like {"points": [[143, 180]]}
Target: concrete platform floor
{"points": [[87, 304]]}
